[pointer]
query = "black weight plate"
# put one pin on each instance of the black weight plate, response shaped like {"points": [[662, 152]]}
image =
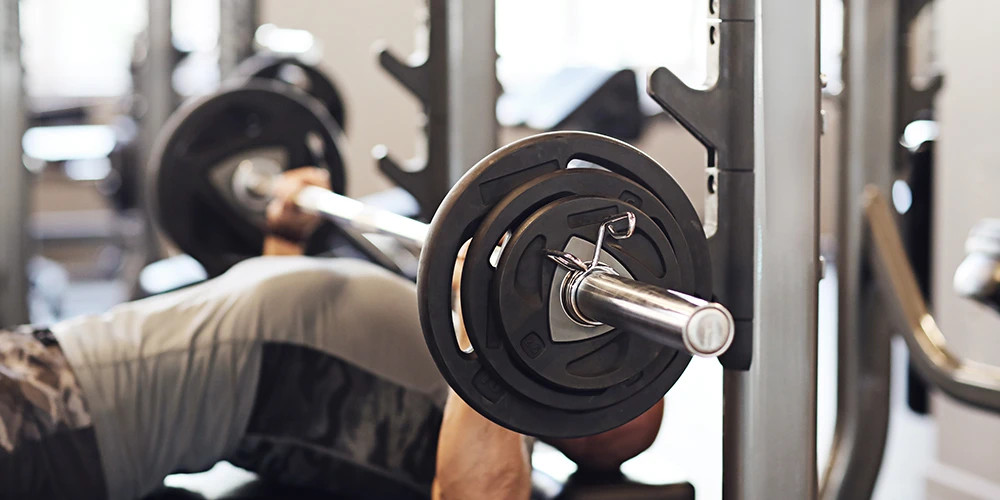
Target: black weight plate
{"points": [[522, 285], [654, 262], [458, 219], [293, 71], [208, 132]]}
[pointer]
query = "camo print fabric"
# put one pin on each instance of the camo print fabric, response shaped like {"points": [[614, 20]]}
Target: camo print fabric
{"points": [[319, 421], [39, 394], [48, 448]]}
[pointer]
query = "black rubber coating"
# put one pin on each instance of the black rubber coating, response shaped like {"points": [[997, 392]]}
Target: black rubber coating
{"points": [[317, 83], [483, 206], [202, 135], [600, 365], [487, 330]]}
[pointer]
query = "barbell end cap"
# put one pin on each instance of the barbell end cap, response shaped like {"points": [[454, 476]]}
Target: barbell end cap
{"points": [[709, 331]]}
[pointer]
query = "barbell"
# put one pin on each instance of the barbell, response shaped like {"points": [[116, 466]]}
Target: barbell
{"points": [[592, 294], [585, 279]]}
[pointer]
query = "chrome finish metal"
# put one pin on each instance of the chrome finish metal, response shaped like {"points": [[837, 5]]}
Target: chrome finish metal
{"points": [[769, 427], [255, 177], [973, 383], [562, 327], [867, 144], [569, 261], [14, 186], [608, 227], [978, 276], [362, 217], [252, 182], [667, 317], [593, 294], [571, 290]]}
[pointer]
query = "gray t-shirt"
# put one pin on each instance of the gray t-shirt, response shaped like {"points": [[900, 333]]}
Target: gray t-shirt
{"points": [[171, 380]]}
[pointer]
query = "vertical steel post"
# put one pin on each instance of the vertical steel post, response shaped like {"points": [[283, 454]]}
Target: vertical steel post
{"points": [[155, 93], [238, 22], [14, 181], [864, 355], [456, 83], [769, 441], [472, 83]]}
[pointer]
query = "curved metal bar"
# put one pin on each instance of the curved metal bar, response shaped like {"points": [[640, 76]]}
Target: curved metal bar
{"points": [[863, 387], [863, 341], [861, 427], [970, 382]]}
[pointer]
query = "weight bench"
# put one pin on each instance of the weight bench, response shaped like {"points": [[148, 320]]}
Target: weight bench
{"points": [[219, 485]]}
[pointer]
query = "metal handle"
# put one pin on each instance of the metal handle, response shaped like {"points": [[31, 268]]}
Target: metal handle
{"points": [[973, 383]]}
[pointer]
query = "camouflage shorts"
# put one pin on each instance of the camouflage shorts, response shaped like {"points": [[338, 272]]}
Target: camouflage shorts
{"points": [[47, 446]]}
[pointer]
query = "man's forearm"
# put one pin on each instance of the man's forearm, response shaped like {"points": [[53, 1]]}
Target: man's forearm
{"points": [[479, 459]]}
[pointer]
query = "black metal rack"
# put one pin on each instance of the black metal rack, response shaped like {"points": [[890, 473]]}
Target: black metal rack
{"points": [[721, 118]]}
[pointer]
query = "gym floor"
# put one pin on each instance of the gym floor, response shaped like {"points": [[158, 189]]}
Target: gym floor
{"points": [[689, 446]]}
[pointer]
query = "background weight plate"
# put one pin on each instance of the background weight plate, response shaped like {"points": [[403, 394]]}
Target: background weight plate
{"points": [[293, 71], [210, 134], [457, 221]]}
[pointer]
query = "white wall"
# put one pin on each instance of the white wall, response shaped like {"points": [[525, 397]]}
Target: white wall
{"points": [[378, 109], [968, 184]]}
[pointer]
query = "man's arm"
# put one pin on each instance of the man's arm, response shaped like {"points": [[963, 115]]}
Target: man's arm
{"points": [[479, 459]]}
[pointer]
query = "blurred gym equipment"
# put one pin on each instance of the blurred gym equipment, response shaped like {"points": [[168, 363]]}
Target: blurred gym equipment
{"points": [[213, 177]]}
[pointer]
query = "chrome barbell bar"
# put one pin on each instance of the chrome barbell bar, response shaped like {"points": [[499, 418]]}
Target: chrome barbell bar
{"points": [[593, 294]]}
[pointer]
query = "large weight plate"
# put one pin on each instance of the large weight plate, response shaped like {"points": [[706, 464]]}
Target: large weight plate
{"points": [[199, 147], [293, 71], [595, 193], [610, 366], [511, 176]]}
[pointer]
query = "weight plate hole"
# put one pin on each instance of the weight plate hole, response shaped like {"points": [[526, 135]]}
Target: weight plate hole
{"points": [[315, 144], [578, 163], [498, 251], [458, 321]]}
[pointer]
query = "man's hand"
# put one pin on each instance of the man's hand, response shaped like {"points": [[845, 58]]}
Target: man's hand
{"points": [[288, 227]]}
